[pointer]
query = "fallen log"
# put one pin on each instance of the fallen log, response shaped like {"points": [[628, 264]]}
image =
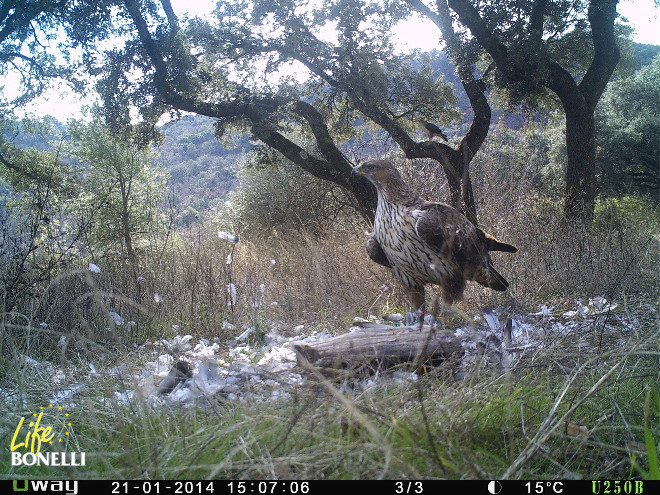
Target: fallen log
{"points": [[378, 347]]}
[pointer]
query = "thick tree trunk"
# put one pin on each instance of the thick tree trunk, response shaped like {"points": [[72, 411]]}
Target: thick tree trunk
{"points": [[461, 195], [581, 164], [579, 100]]}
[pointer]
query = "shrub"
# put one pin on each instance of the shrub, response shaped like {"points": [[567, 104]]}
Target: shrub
{"points": [[275, 194]]}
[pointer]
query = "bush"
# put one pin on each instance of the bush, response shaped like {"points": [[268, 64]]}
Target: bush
{"points": [[625, 211], [275, 194]]}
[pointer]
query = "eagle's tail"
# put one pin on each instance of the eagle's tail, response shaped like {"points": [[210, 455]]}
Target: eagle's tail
{"points": [[493, 244], [489, 277]]}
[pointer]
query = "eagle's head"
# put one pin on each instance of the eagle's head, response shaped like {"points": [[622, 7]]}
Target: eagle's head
{"points": [[377, 172], [388, 181]]}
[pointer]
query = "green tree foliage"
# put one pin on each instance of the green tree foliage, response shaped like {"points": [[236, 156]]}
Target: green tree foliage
{"points": [[37, 38], [37, 193], [231, 68], [644, 54], [24, 30], [562, 48], [628, 124], [21, 171], [274, 197], [123, 188]]}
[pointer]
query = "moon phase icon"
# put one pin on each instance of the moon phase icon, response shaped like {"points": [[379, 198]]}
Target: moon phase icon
{"points": [[494, 487]]}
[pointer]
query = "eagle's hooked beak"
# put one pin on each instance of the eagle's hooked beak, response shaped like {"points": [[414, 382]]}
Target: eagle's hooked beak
{"points": [[356, 171]]}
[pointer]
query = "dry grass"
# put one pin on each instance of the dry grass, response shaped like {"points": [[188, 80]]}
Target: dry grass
{"points": [[291, 279]]}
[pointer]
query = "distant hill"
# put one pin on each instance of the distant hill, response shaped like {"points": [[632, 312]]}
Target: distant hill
{"points": [[40, 136], [202, 170], [644, 54]]}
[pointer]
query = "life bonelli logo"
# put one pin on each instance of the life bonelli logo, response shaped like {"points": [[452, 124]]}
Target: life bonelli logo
{"points": [[29, 438]]}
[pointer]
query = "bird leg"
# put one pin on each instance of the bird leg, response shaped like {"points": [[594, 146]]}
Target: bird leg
{"points": [[418, 301]]}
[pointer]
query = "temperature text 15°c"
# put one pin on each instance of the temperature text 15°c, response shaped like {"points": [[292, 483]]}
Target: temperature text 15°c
{"points": [[544, 487]]}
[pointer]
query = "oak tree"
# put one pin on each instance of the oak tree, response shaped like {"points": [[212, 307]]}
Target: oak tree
{"points": [[565, 48]]}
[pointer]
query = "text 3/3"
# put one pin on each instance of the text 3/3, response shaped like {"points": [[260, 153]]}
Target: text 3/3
{"points": [[408, 487]]}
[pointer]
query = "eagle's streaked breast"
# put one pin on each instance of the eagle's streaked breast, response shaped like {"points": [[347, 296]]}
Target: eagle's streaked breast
{"points": [[412, 260]]}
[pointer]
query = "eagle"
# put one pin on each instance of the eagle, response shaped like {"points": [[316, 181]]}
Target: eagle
{"points": [[424, 242], [433, 130]]}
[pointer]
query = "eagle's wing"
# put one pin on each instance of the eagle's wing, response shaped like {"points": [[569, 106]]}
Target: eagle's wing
{"points": [[444, 229], [440, 225], [375, 251], [464, 246]]}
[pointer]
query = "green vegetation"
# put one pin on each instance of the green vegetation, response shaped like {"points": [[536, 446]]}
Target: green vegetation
{"points": [[574, 407], [628, 125]]}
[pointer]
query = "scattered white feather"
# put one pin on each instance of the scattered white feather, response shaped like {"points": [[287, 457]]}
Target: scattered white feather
{"points": [[258, 372], [68, 393], [94, 268], [226, 236], [491, 319], [244, 335], [544, 311], [116, 318], [231, 289]]}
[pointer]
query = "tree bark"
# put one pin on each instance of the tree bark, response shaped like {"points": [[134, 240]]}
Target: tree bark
{"points": [[579, 200], [333, 167], [457, 171]]}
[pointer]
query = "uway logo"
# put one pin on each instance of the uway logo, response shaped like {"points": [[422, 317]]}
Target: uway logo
{"points": [[36, 436], [66, 487]]}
